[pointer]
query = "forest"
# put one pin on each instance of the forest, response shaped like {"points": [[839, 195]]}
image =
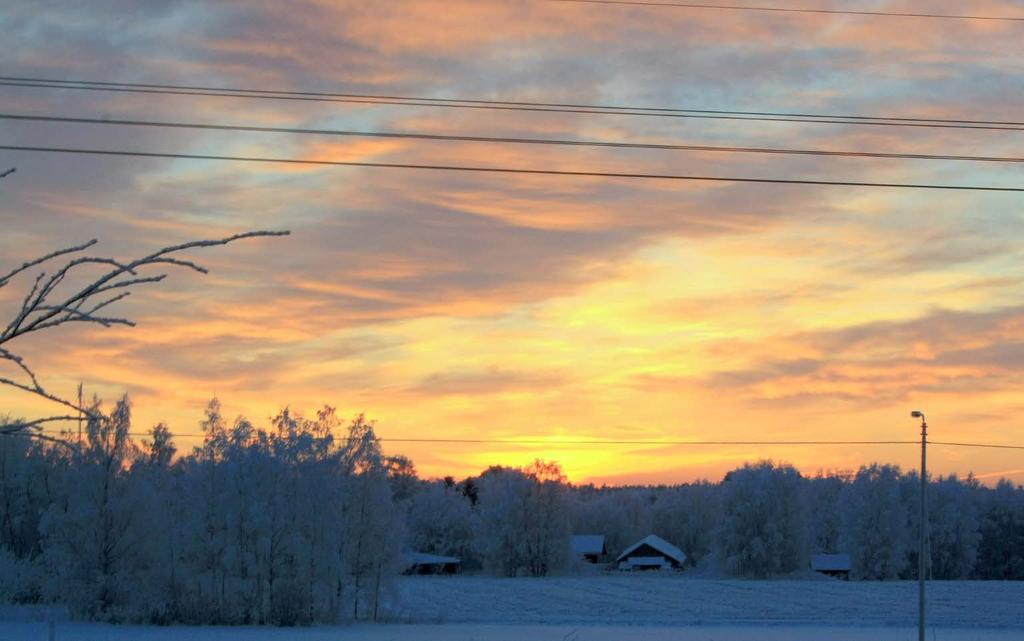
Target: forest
{"points": [[305, 520]]}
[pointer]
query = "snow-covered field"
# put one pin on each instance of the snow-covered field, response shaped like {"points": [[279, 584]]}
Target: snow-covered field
{"points": [[652, 599], [484, 632], [624, 608]]}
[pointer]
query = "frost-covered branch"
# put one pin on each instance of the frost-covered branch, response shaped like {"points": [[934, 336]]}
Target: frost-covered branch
{"points": [[32, 263], [20, 426], [43, 307]]}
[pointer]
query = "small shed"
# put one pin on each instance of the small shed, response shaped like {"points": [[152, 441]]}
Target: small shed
{"points": [[588, 547], [651, 553], [423, 563], [837, 565]]}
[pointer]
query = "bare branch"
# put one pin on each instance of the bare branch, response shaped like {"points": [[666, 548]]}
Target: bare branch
{"points": [[37, 424], [32, 292], [181, 263], [128, 283], [26, 306], [222, 241], [6, 355], [76, 315], [59, 276], [8, 172], [38, 311], [46, 395], [103, 261], [85, 260], [111, 301], [100, 284], [44, 437], [60, 252]]}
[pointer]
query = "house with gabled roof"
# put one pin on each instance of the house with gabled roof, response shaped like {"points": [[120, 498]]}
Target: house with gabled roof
{"points": [[651, 553]]}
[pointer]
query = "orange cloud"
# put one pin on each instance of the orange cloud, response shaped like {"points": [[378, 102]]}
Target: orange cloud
{"points": [[543, 308]]}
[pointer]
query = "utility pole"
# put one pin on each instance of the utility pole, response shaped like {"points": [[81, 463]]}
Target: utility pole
{"points": [[921, 551]]}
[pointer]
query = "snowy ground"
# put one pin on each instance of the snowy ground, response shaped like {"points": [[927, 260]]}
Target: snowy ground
{"points": [[623, 608], [625, 599], [482, 632]]}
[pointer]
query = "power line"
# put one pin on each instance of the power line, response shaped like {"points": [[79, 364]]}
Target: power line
{"points": [[502, 139], [98, 83], [634, 442], [457, 103], [989, 445], [850, 12], [506, 170]]}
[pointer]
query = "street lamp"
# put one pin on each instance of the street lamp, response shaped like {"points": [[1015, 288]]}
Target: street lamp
{"points": [[924, 524]]}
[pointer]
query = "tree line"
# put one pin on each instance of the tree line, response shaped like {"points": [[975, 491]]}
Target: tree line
{"points": [[763, 519], [288, 524], [306, 520]]}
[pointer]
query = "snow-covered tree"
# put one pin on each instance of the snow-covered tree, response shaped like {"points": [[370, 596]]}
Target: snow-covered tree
{"points": [[441, 522], [953, 511], [622, 514], [546, 527], [875, 523], [501, 509], [762, 530], [524, 526], [304, 520], [91, 538], [823, 497], [287, 525], [1001, 548], [687, 516]]}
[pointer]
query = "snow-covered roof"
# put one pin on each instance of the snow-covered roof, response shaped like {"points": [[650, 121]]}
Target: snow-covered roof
{"points": [[422, 558], [830, 562], [659, 544], [587, 544]]}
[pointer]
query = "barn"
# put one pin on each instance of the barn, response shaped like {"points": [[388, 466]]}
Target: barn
{"points": [[837, 565], [588, 547], [423, 563], [651, 553]]}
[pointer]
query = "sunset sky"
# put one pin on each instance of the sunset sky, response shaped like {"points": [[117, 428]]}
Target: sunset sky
{"points": [[484, 306]]}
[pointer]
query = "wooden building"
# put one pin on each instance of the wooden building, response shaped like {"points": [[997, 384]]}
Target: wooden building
{"points": [[423, 563], [837, 565], [588, 547], [651, 553]]}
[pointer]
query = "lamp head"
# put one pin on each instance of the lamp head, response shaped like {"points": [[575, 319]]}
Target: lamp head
{"points": [[917, 414]]}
